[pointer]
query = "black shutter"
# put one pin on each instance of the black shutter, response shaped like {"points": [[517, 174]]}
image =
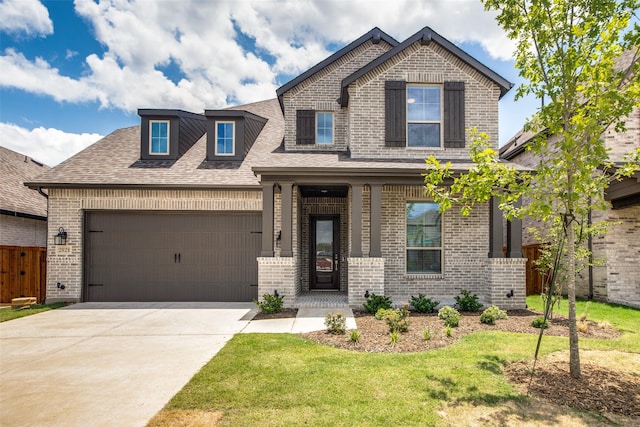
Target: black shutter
{"points": [[305, 127], [454, 126], [395, 98]]}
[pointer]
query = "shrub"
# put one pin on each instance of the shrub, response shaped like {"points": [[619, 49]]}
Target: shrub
{"points": [[467, 302], [582, 326], [395, 337], [491, 314], [271, 303], [426, 334], [448, 331], [354, 336], [450, 315], [540, 323], [376, 302], [422, 304], [336, 323], [397, 320], [382, 313]]}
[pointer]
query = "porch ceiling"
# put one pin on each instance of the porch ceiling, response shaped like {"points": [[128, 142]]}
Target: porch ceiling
{"points": [[324, 190]]}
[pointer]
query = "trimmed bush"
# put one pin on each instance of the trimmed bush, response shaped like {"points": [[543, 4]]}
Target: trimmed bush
{"points": [[336, 323], [467, 302], [271, 304], [422, 304], [540, 323], [376, 302], [449, 315], [491, 314]]}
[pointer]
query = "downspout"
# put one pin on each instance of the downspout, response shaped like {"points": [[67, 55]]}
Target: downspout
{"points": [[46, 196]]}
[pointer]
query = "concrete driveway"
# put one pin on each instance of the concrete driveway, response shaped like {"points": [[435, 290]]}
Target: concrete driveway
{"points": [[107, 364]]}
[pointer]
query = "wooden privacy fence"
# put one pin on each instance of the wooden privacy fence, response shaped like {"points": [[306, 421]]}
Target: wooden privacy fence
{"points": [[22, 272], [534, 278]]}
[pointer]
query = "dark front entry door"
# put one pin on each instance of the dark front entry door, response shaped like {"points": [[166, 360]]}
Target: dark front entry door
{"points": [[324, 252]]}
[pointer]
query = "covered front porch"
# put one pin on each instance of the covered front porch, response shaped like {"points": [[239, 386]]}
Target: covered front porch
{"points": [[329, 240]]}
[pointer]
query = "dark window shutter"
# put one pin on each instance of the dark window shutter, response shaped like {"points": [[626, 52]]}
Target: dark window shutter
{"points": [[305, 127], [454, 126], [395, 129]]}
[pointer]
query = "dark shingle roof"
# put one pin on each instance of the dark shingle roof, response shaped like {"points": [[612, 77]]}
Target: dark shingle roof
{"points": [[15, 169]]}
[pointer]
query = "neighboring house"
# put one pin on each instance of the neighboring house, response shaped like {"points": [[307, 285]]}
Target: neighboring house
{"points": [[317, 190], [23, 227], [618, 278]]}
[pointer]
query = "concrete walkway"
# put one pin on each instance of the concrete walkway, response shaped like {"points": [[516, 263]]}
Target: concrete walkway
{"points": [[307, 320], [118, 364]]}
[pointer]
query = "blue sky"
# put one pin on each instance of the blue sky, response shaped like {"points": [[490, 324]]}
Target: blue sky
{"points": [[74, 71]]}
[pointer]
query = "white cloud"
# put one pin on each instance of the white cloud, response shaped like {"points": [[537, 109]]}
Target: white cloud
{"points": [[25, 16], [49, 146], [140, 37], [38, 77]]}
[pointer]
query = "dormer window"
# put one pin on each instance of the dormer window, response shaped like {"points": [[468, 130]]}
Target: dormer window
{"points": [[424, 116], [225, 138], [159, 137], [324, 128]]}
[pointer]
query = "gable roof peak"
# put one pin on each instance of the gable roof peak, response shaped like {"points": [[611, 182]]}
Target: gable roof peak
{"points": [[425, 36], [376, 35]]}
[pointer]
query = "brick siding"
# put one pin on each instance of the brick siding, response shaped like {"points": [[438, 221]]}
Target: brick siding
{"points": [[16, 231]]}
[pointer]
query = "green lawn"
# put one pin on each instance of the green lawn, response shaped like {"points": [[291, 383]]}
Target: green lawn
{"points": [[10, 313], [282, 379]]}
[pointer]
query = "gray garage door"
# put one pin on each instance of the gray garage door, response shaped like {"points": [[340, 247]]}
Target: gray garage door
{"points": [[171, 256]]}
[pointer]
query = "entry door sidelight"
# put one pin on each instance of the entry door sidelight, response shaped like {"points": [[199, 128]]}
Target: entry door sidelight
{"points": [[324, 252]]}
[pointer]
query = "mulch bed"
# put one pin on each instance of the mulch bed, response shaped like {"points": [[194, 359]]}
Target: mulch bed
{"points": [[285, 313], [598, 389], [375, 333]]}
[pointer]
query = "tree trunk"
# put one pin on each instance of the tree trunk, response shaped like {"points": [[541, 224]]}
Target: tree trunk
{"points": [[574, 352]]}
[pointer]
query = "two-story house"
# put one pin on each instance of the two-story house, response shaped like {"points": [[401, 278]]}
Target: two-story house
{"points": [[316, 193]]}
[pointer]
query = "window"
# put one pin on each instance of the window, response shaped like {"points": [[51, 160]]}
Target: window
{"points": [[423, 116], [159, 140], [225, 138], [424, 238], [324, 128]]}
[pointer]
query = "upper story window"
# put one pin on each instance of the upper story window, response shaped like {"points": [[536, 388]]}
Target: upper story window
{"points": [[225, 138], [424, 116], [159, 137], [424, 238], [324, 128]]}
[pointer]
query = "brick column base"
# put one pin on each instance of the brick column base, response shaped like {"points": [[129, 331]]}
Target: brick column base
{"points": [[504, 275], [277, 273], [365, 274]]}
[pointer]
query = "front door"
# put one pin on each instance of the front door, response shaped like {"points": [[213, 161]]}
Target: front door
{"points": [[324, 252]]}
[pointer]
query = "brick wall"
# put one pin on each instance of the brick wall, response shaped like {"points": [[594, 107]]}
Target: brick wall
{"points": [[67, 207], [275, 273], [320, 92], [466, 245], [365, 274], [16, 231], [618, 278], [504, 275], [418, 64]]}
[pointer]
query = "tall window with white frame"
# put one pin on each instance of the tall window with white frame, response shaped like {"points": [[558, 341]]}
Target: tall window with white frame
{"points": [[424, 238], [324, 128], [225, 138], [424, 116], [159, 137]]}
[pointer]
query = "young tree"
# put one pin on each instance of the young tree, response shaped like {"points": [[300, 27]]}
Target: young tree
{"points": [[569, 53]]}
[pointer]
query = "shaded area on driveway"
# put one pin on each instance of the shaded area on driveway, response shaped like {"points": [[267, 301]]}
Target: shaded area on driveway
{"points": [[107, 364]]}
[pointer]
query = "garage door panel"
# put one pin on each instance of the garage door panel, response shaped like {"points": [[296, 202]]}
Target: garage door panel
{"points": [[172, 256]]}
